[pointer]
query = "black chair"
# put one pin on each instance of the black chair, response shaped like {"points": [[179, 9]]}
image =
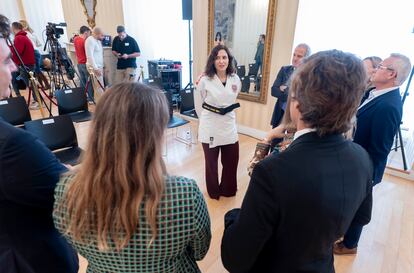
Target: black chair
{"points": [[258, 82], [15, 111], [253, 69], [241, 71], [187, 103], [73, 102], [245, 84], [176, 122], [59, 135]]}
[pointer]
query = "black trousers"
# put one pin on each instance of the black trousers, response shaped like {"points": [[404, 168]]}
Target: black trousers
{"points": [[229, 160]]}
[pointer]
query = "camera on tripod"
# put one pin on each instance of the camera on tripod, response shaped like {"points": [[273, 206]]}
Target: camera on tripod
{"points": [[54, 30], [58, 54]]}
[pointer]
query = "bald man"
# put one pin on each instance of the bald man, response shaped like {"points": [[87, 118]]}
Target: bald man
{"points": [[94, 54]]}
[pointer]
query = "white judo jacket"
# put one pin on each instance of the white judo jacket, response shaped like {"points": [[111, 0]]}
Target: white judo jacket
{"points": [[215, 129]]}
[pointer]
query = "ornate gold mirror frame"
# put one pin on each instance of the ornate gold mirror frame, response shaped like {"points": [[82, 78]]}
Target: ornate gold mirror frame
{"points": [[89, 9], [271, 17]]}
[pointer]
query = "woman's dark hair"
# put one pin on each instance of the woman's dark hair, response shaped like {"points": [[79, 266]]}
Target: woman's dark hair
{"points": [[210, 69], [328, 87], [218, 37], [4, 26]]}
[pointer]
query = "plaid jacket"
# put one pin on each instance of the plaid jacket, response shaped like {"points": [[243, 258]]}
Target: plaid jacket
{"points": [[183, 226]]}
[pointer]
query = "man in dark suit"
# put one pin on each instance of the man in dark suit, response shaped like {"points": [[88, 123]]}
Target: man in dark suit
{"points": [[280, 87], [378, 119], [29, 172], [299, 202]]}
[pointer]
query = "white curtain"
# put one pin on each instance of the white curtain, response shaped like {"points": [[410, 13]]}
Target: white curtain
{"points": [[158, 28], [364, 28], [10, 9], [40, 12], [249, 22]]}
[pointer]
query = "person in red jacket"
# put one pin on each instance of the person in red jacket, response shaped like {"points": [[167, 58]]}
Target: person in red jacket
{"points": [[24, 48]]}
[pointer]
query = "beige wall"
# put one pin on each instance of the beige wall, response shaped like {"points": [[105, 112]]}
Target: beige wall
{"points": [[109, 14], [252, 115]]}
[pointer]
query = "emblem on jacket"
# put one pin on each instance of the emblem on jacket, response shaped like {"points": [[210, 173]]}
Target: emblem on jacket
{"points": [[234, 87]]}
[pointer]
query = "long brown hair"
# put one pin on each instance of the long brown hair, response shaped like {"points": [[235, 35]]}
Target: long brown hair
{"points": [[121, 169]]}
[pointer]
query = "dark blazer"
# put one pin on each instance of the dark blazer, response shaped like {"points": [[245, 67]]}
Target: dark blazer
{"points": [[297, 204], [29, 242], [282, 78], [377, 124]]}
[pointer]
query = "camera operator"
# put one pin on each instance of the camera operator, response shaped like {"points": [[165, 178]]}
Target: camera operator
{"points": [[23, 47], [29, 171]]}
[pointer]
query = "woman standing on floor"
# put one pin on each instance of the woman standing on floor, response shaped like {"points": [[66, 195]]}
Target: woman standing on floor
{"points": [[123, 212], [218, 89]]}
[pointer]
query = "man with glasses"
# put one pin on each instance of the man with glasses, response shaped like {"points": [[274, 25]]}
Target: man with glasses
{"points": [[378, 119], [29, 171]]}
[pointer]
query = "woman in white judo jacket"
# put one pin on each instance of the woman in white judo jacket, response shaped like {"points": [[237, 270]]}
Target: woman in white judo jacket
{"points": [[218, 90]]}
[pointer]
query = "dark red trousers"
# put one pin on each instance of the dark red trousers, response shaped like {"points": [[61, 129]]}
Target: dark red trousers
{"points": [[229, 160]]}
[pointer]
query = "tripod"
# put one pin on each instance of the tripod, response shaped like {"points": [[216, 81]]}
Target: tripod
{"points": [[399, 135], [59, 59]]}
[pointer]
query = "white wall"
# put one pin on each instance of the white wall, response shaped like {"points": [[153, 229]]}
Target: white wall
{"points": [[158, 27], [365, 28], [250, 21], [40, 12], [10, 9]]}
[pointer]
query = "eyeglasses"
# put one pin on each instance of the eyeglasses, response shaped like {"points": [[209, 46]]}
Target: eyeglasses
{"points": [[381, 66]]}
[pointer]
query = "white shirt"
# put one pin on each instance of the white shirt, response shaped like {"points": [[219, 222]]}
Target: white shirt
{"points": [[33, 38], [303, 132], [373, 94], [94, 53], [215, 129]]}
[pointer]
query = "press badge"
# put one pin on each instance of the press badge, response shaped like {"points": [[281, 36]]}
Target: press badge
{"points": [[126, 44]]}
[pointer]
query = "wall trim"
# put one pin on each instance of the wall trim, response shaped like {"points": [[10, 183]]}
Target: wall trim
{"points": [[259, 134]]}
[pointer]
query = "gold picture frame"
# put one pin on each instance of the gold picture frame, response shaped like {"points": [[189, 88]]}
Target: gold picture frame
{"points": [[89, 6], [270, 24]]}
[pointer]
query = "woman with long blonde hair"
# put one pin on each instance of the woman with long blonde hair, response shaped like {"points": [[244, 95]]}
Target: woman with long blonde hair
{"points": [[121, 210]]}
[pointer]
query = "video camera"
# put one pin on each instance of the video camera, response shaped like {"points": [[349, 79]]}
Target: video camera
{"points": [[54, 30]]}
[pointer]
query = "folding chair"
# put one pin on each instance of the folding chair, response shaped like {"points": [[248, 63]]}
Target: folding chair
{"points": [[59, 135], [245, 84], [187, 103], [241, 71], [15, 111], [74, 103]]}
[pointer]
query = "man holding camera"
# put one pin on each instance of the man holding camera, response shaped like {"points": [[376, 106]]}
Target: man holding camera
{"points": [[126, 49]]}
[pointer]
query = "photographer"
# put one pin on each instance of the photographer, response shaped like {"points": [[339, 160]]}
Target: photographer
{"points": [[23, 47], [29, 171]]}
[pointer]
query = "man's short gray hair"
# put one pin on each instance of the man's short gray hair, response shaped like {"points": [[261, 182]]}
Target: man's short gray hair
{"points": [[306, 47], [402, 67]]}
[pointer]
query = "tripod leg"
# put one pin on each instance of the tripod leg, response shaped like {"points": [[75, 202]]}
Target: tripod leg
{"points": [[396, 142], [402, 149]]}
